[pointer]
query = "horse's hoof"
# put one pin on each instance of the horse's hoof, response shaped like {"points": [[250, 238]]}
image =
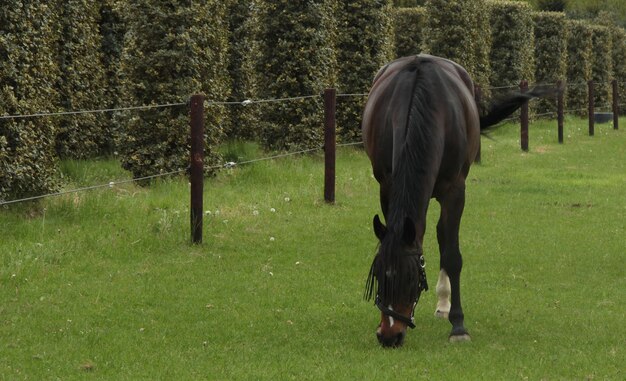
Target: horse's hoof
{"points": [[441, 314], [459, 338]]}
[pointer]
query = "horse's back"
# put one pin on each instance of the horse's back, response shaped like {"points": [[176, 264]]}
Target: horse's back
{"points": [[447, 94]]}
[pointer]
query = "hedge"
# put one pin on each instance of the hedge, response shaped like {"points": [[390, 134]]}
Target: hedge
{"points": [[81, 85], [601, 65], [297, 59], [28, 74], [172, 51], [618, 52], [579, 54], [512, 37], [408, 30], [619, 64], [243, 53], [112, 30], [550, 53], [460, 31], [365, 44]]}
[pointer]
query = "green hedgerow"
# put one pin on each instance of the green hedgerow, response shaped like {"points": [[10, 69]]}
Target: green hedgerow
{"points": [[28, 74], [173, 49]]}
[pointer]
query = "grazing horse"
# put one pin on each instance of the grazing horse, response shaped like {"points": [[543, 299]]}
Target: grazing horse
{"points": [[421, 130]]}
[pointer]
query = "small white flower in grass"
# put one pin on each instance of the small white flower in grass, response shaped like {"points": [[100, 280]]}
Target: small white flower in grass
{"points": [[272, 239], [141, 329], [287, 199], [271, 273], [111, 184], [255, 212], [208, 213], [272, 210], [298, 263]]}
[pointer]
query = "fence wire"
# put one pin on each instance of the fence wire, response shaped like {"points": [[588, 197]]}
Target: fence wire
{"points": [[226, 165], [245, 102], [110, 184], [78, 112]]}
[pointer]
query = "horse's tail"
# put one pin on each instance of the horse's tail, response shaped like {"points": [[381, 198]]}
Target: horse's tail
{"points": [[506, 106]]}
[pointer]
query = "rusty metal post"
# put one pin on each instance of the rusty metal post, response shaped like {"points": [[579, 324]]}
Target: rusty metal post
{"points": [[523, 86], [615, 105], [591, 111], [330, 107], [560, 112], [478, 94], [197, 166]]}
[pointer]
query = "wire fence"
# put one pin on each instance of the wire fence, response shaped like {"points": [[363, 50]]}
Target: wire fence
{"points": [[227, 165]]}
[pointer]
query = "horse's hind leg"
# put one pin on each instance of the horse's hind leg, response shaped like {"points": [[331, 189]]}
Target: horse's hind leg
{"points": [[451, 262]]}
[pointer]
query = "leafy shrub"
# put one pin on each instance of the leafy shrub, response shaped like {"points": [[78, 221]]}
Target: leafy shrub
{"points": [[172, 50], [408, 25], [512, 38], [365, 44], [618, 52], [243, 53], [81, 85], [460, 31], [552, 5], [550, 53], [619, 64], [579, 52], [297, 58], [28, 74], [601, 65], [112, 30]]}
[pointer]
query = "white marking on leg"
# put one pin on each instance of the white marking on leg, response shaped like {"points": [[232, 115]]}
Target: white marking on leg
{"points": [[443, 290], [391, 320]]}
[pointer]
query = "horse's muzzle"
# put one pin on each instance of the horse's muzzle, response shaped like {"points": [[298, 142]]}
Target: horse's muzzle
{"points": [[392, 341]]}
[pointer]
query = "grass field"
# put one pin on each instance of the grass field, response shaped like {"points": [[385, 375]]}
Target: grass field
{"points": [[105, 285]]}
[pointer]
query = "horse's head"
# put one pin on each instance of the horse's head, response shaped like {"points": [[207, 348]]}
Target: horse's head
{"points": [[398, 275]]}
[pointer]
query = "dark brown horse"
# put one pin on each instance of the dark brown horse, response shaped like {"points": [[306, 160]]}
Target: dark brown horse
{"points": [[421, 130]]}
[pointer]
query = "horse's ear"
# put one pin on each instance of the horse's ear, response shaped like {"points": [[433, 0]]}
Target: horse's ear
{"points": [[409, 231], [379, 229]]}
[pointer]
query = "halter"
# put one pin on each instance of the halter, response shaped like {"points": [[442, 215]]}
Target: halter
{"points": [[422, 285]]}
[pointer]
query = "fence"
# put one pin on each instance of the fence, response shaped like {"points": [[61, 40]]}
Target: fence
{"points": [[196, 167], [560, 111]]}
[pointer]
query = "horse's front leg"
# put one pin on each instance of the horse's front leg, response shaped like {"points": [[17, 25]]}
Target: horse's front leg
{"points": [[443, 295], [451, 261]]}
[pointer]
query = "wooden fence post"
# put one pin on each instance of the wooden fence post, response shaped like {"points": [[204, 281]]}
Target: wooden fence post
{"points": [[560, 111], [524, 118], [330, 106], [197, 166], [591, 111], [615, 105], [478, 94]]}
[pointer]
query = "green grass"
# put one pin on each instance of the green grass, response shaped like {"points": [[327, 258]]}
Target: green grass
{"points": [[105, 285]]}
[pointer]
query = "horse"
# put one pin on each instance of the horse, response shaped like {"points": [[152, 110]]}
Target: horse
{"points": [[421, 131]]}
